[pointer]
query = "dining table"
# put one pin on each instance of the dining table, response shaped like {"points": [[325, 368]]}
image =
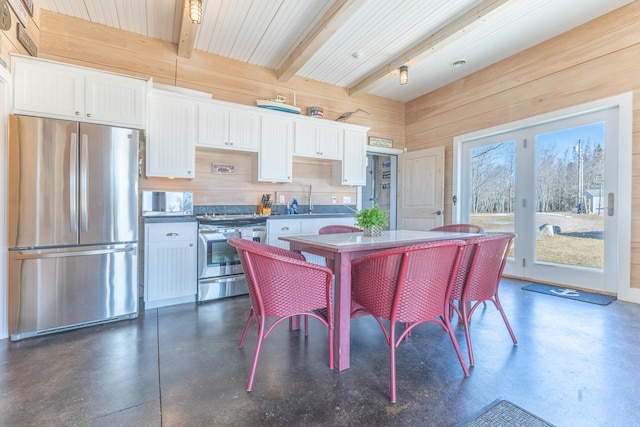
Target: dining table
{"points": [[343, 248]]}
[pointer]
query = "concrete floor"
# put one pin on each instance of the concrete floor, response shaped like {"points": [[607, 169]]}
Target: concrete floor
{"points": [[576, 364]]}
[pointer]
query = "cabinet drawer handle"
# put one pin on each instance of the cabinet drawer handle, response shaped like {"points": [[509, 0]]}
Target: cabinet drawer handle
{"points": [[171, 234], [284, 228]]}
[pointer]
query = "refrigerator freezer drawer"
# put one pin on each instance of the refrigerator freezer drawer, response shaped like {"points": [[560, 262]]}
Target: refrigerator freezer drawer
{"points": [[58, 289]]}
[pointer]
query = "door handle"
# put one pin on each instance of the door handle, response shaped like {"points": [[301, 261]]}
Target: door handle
{"points": [[610, 203], [73, 195], [437, 213], [84, 160]]}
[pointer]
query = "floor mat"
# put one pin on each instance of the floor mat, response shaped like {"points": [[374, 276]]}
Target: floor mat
{"points": [[502, 413], [575, 294]]}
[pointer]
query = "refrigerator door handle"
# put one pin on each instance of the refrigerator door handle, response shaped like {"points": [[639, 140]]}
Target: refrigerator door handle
{"points": [[32, 255], [84, 152], [73, 197]]}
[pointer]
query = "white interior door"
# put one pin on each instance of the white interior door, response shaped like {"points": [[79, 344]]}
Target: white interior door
{"points": [[421, 189]]}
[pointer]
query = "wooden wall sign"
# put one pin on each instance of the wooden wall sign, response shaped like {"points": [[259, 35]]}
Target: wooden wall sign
{"points": [[380, 142], [26, 41], [20, 11], [29, 5]]}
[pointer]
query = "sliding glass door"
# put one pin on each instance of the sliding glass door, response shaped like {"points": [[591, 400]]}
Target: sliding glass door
{"points": [[554, 184]]}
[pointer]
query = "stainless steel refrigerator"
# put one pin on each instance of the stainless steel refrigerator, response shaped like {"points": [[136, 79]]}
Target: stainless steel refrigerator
{"points": [[72, 225]]}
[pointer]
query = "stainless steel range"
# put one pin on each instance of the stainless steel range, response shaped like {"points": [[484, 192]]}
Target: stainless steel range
{"points": [[219, 267]]}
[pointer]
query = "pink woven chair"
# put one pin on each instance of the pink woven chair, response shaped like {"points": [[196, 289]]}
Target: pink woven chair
{"points": [[409, 285], [461, 228], [283, 285], [485, 257], [335, 229]]}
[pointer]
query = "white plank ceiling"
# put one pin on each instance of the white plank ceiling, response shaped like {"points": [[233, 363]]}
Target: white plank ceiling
{"points": [[357, 44]]}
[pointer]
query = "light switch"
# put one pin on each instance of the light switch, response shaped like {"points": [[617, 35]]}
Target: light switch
{"points": [[334, 199], [281, 198]]}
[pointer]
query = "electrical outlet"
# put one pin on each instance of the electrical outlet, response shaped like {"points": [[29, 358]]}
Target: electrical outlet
{"points": [[281, 198], [334, 199], [346, 200]]}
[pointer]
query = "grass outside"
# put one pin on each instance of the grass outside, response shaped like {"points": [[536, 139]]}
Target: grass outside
{"points": [[579, 242]]}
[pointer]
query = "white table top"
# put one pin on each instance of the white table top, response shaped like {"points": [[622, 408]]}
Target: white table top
{"points": [[389, 238]]}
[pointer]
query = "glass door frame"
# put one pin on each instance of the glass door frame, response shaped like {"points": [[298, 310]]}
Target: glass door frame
{"points": [[617, 276]]}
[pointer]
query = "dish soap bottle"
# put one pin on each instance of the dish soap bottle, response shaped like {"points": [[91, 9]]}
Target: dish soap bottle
{"points": [[294, 207]]}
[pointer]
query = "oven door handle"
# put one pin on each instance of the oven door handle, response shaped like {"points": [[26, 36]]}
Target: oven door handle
{"points": [[202, 254]]}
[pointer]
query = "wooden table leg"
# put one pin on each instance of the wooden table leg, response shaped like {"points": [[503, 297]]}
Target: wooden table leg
{"points": [[342, 314]]}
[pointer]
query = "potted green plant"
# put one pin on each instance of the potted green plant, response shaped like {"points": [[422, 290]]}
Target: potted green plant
{"points": [[372, 220]]}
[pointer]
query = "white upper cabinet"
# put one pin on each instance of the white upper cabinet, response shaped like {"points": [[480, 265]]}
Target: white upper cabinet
{"points": [[226, 127], [354, 168], [275, 162], [171, 136], [52, 89], [115, 99], [320, 139]]}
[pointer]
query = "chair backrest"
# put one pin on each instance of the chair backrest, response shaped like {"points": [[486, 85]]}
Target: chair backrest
{"points": [[461, 228], [274, 277], [407, 284], [336, 229], [487, 264]]}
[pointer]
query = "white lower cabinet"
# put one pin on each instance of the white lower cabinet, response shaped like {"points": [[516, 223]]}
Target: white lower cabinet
{"points": [[297, 226], [170, 263]]}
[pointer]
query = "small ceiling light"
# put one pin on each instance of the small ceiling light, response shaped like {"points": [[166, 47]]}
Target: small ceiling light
{"points": [[195, 11], [404, 75]]}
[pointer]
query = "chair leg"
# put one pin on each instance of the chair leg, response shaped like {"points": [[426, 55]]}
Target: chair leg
{"points": [[456, 347], [246, 329], [467, 334], [330, 333], [392, 362], [504, 317], [257, 353], [306, 325]]}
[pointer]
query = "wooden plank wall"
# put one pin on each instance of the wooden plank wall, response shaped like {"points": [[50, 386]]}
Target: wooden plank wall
{"points": [[75, 41], [9, 38], [594, 61]]}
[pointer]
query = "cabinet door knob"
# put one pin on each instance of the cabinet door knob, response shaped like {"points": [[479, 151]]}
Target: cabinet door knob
{"points": [[77, 113], [88, 114]]}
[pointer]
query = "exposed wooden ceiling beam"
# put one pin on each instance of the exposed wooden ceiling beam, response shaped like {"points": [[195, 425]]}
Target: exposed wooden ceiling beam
{"points": [[439, 39], [333, 19], [188, 31]]}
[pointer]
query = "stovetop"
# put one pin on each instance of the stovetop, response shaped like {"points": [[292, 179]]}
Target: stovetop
{"points": [[238, 220], [223, 216]]}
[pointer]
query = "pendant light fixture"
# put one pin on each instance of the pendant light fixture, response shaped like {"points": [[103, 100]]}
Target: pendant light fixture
{"points": [[195, 11], [404, 75]]}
